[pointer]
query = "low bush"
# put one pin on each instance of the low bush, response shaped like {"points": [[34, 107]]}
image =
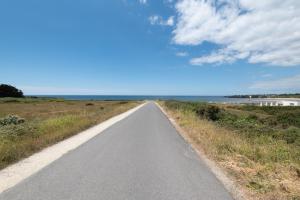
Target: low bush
{"points": [[252, 117], [284, 116], [289, 119], [291, 135], [209, 112], [271, 110], [11, 119]]}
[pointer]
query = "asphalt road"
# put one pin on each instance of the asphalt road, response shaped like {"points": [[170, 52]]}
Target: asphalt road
{"points": [[141, 157]]}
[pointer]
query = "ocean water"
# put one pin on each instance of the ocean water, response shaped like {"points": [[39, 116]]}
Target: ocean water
{"points": [[213, 99]]}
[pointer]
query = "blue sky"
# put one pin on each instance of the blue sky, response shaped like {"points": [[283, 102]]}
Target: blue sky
{"points": [[147, 47]]}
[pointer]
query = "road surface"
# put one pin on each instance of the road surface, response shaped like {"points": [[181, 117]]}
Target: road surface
{"points": [[139, 158]]}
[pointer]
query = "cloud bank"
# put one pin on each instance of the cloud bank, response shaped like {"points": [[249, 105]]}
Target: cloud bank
{"points": [[292, 83], [264, 31]]}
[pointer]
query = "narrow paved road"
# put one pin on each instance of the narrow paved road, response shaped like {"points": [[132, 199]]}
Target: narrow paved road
{"points": [[141, 157]]}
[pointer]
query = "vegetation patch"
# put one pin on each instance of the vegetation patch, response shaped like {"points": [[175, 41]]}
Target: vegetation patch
{"points": [[258, 146], [11, 119], [28, 125]]}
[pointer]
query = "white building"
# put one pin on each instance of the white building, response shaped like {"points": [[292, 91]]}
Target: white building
{"points": [[278, 102]]}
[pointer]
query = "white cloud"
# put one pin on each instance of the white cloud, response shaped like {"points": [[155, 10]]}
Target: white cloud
{"points": [[143, 1], [289, 83], [158, 20], [182, 54], [264, 31], [221, 56]]}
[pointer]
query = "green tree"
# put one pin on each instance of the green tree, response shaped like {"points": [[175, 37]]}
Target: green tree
{"points": [[10, 91]]}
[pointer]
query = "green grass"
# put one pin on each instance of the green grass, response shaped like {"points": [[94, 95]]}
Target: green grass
{"points": [[281, 123], [258, 146], [31, 124]]}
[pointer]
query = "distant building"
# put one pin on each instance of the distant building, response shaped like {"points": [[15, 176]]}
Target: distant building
{"points": [[277, 102]]}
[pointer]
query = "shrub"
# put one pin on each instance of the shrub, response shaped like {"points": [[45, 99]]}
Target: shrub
{"points": [[291, 135], [89, 104], [252, 117], [10, 91], [210, 112], [11, 119], [271, 121], [289, 118], [203, 110]]}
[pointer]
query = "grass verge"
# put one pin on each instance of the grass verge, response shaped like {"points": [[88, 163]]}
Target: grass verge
{"points": [[258, 147], [29, 125]]}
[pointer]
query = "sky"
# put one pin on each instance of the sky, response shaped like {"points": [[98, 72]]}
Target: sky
{"points": [[150, 47]]}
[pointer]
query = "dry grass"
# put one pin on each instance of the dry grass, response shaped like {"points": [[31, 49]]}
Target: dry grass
{"points": [[49, 121], [265, 168]]}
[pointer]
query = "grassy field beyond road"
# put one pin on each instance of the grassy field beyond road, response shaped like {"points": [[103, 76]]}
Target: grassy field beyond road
{"points": [[29, 125], [259, 147]]}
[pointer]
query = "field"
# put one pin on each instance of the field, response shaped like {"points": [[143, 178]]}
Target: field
{"points": [[258, 147], [28, 125]]}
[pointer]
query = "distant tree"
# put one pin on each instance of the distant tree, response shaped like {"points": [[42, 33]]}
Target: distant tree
{"points": [[10, 91]]}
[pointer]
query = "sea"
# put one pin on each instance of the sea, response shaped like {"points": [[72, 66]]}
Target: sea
{"points": [[210, 99]]}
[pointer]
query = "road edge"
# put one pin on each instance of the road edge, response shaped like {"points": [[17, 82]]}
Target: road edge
{"points": [[229, 184], [15, 173]]}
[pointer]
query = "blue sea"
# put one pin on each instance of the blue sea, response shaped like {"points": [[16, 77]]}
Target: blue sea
{"points": [[212, 99]]}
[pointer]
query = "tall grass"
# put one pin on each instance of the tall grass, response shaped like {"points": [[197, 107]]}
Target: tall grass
{"points": [[47, 122], [257, 149]]}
